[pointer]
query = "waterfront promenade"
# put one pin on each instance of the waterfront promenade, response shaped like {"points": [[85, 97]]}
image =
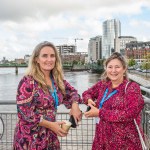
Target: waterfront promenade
{"points": [[143, 81], [77, 139]]}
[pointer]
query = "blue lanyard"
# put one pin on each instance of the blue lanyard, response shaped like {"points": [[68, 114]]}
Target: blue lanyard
{"points": [[106, 98], [54, 94]]}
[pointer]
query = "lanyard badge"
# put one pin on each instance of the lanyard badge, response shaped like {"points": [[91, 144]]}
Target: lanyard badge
{"points": [[105, 98], [54, 94]]}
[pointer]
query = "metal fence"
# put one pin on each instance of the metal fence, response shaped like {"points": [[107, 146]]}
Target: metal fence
{"points": [[79, 138]]}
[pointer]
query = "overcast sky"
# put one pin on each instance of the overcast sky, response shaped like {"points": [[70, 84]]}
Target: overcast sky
{"points": [[25, 23]]}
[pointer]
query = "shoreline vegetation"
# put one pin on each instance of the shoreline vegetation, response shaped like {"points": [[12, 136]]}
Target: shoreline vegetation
{"points": [[93, 68]]}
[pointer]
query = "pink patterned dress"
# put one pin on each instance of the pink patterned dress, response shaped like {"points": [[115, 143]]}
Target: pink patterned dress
{"points": [[116, 129], [32, 103]]}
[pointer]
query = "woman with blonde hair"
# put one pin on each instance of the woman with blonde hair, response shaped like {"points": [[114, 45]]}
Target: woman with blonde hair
{"points": [[115, 103], [40, 92]]}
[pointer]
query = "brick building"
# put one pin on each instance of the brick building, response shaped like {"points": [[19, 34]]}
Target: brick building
{"points": [[70, 57], [137, 50]]}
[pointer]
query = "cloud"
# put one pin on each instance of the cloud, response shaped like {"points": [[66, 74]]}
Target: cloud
{"points": [[18, 10], [25, 23]]}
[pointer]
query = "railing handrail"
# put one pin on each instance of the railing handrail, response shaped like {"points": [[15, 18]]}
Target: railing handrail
{"points": [[11, 102], [7, 102], [146, 99], [145, 89]]}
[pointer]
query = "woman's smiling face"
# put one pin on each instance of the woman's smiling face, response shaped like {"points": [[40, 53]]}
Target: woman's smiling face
{"points": [[115, 70], [46, 59]]}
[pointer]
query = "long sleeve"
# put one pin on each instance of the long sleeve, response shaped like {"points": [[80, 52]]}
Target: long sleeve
{"points": [[133, 102], [26, 103], [71, 95], [91, 93]]}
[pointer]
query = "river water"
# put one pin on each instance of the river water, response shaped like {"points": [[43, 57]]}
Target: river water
{"points": [[8, 87], [9, 81]]}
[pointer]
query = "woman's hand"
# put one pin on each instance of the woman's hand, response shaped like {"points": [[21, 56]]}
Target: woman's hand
{"points": [[76, 112], [93, 112], [56, 127], [90, 101]]}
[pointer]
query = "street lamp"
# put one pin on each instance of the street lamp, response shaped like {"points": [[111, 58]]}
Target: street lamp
{"points": [[76, 42]]}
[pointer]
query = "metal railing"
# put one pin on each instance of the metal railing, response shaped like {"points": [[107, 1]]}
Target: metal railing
{"points": [[146, 110], [79, 138]]}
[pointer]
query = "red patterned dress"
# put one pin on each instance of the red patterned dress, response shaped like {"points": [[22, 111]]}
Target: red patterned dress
{"points": [[116, 129], [32, 103]]}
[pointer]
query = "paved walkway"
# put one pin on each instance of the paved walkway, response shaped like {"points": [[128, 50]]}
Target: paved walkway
{"points": [[142, 81]]}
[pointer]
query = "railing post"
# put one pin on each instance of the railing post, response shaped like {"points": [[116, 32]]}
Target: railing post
{"points": [[16, 69]]}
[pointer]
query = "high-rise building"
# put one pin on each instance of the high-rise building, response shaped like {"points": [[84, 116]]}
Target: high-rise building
{"points": [[111, 30], [95, 49]]}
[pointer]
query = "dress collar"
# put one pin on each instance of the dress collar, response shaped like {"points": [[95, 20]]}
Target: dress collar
{"points": [[122, 85]]}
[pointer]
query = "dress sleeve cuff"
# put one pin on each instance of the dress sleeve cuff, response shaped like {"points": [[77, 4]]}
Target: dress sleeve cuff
{"points": [[41, 118]]}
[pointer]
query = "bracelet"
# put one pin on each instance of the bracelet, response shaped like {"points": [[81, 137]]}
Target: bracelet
{"points": [[75, 102]]}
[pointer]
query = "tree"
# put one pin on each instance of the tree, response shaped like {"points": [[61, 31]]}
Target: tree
{"points": [[75, 62], [100, 62], [146, 62], [131, 62]]}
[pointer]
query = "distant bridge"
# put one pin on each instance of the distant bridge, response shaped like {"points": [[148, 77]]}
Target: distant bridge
{"points": [[12, 65], [16, 66], [25, 65]]}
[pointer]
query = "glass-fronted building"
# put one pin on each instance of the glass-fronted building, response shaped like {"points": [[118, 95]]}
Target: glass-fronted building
{"points": [[111, 30]]}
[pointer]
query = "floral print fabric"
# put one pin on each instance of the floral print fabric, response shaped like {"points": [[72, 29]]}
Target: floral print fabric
{"points": [[33, 104], [116, 129]]}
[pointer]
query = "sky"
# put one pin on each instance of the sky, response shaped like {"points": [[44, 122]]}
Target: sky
{"points": [[25, 23]]}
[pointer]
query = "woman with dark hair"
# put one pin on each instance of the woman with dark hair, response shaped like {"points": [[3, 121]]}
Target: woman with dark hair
{"points": [[115, 103], [39, 93]]}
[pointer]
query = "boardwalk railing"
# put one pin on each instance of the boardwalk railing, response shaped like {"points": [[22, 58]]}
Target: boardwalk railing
{"points": [[146, 110], [78, 139]]}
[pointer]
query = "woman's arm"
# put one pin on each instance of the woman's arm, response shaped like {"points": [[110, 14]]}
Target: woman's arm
{"points": [[25, 102], [26, 108], [54, 126], [71, 96], [91, 93], [72, 100]]}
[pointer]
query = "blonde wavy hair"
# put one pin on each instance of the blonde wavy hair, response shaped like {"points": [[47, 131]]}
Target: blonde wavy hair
{"points": [[118, 56], [35, 71]]}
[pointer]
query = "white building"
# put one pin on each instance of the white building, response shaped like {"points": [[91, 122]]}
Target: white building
{"points": [[121, 41], [111, 30], [65, 49], [26, 58], [95, 49]]}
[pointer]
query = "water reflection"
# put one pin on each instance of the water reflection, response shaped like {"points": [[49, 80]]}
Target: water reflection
{"points": [[81, 80], [9, 82]]}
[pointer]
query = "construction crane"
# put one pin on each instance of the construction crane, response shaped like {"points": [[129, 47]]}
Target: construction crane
{"points": [[63, 38]]}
